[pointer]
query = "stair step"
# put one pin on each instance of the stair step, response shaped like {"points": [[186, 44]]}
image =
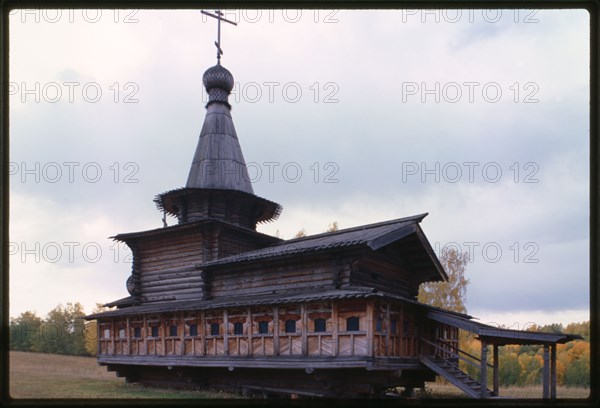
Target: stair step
{"points": [[452, 372]]}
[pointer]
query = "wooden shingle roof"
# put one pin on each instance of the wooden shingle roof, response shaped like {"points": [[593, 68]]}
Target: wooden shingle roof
{"points": [[286, 297], [218, 162], [373, 236]]}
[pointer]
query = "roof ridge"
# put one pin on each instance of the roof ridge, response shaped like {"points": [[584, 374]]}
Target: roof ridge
{"points": [[418, 217]]}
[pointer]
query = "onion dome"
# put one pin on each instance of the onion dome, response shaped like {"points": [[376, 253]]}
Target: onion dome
{"points": [[218, 82]]}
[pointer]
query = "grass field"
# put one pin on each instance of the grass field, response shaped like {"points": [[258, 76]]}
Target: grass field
{"points": [[437, 390], [37, 375]]}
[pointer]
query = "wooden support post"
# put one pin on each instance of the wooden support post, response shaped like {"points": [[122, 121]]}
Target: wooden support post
{"points": [[334, 334], [163, 322], [553, 371], [250, 328], [202, 333], [401, 329], [388, 329], [225, 332], [182, 335], [145, 334], [371, 321], [112, 335], [319, 345], [276, 331], [304, 340], [483, 369], [128, 337], [98, 332], [496, 367], [546, 373]]}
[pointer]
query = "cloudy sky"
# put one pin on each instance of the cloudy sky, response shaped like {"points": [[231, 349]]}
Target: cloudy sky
{"points": [[478, 117]]}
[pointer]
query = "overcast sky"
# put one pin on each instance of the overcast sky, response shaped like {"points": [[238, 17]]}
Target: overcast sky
{"points": [[480, 118]]}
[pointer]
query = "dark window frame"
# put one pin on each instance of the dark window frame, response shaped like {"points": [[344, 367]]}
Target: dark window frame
{"points": [[320, 325], [263, 327], [352, 324], [290, 326]]}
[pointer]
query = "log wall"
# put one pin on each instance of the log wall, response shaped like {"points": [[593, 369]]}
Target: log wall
{"points": [[166, 265], [291, 276]]}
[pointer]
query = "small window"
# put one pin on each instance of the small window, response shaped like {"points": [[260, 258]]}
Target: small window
{"points": [[320, 325], [393, 325], [352, 324], [379, 325], [214, 329], [263, 327], [173, 330], [290, 326], [238, 328], [137, 332], [193, 330], [106, 333], [121, 333], [154, 331]]}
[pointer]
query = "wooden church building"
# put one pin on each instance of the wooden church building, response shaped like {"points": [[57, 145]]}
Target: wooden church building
{"points": [[214, 303]]}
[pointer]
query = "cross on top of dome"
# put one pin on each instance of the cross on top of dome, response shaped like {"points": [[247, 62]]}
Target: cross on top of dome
{"points": [[219, 16]]}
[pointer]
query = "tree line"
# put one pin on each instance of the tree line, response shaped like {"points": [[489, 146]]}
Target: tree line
{"points": [[519, 365], [62, 331]]}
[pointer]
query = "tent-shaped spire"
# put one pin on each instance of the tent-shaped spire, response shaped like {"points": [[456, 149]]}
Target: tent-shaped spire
{"points": [[218, 162], [218, 185]]}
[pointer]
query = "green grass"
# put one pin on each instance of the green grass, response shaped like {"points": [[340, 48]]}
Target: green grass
{"points": [[38, 375], [437, 390]]}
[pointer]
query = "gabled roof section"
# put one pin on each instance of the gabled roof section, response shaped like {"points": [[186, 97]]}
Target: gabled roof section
{"points": [[374, 236]]}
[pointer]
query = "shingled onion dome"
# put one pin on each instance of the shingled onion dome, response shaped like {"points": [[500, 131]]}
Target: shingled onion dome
{"points": [[218, 82], [218, 184]]}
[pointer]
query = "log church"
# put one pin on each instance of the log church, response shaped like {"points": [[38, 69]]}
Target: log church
{"points": [[215, 303]]}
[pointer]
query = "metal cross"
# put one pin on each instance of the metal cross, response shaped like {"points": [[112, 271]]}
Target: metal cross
{"points": [[219, 16]]}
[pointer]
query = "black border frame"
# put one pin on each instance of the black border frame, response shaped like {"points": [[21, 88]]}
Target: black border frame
{"points": [[591, 6]]}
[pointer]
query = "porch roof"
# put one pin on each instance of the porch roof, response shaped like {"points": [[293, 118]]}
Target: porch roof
{"points": [[497, 335]]}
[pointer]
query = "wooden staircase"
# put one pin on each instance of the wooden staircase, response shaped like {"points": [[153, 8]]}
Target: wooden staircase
{"points": [[454, 375]]}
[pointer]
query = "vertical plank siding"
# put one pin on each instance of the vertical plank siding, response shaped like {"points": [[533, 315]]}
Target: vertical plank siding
{"points": [[385, 329]]}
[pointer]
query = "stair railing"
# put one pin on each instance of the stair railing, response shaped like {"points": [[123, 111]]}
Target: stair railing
{"points": [[443, 347]]}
